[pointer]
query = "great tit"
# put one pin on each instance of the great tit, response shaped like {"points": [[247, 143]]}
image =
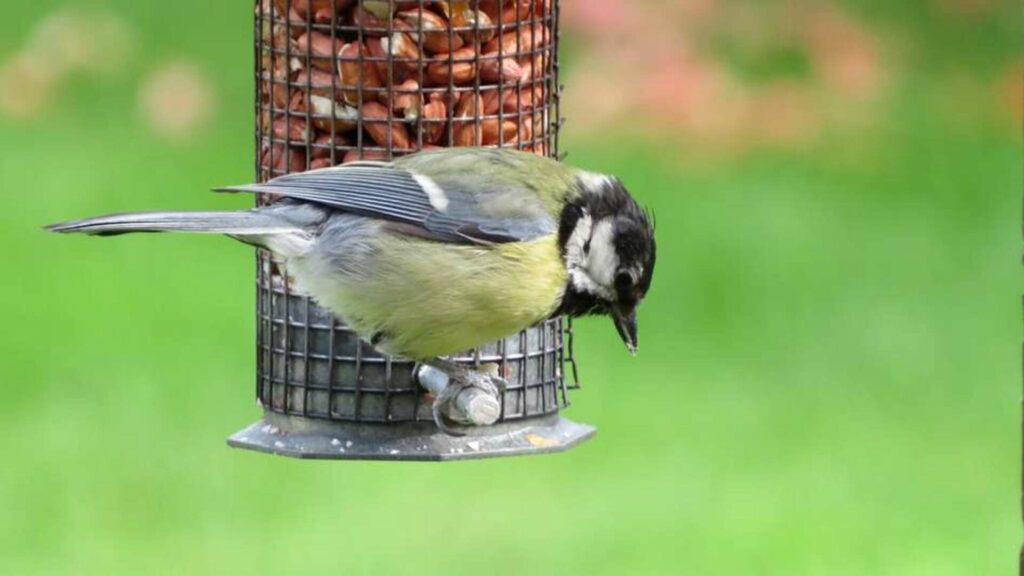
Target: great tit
{"points": [[441, 251]]}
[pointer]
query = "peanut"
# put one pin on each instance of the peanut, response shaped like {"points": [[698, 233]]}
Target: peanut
{"points": [[368, 155], [417, 74], [284, 159], [408, 102], [318, 47], [355, 74], [436, 38], [294, 130], [324, 146], [435, 115], [460, 67], [375, 116]]}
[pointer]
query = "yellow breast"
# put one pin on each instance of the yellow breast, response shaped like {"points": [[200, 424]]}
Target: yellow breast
{"points": [[431, 299]]}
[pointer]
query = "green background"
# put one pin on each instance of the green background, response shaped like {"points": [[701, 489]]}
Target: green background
{"points": [[828, 382]]}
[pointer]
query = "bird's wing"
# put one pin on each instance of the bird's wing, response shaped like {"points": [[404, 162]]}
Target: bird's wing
{"points": [[447, 210]]}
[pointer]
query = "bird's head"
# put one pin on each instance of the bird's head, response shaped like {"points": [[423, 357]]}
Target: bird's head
{"points": [[607, 241]]}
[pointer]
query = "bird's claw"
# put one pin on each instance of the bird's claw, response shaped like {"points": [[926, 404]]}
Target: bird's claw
{"points": [[445, 424], [458, 383]]}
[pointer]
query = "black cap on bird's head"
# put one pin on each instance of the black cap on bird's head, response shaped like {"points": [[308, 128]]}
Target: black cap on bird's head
{"points": [[607, 241]]}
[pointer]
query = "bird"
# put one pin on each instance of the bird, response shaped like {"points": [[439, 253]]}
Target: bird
{"points": [[441, 251]]}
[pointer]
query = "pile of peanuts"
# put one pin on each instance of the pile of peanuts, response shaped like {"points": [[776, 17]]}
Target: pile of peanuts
{"points": [[344, 80]]}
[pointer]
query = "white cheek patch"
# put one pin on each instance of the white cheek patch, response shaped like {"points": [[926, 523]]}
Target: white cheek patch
{"points": [[438, 199], [602, 261], [592, 271], [574, 256]]}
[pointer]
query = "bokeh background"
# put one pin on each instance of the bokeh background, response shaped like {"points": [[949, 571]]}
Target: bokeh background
{"points": [[829, 376]]}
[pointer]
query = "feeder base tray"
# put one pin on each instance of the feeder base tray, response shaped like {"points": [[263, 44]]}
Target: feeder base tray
{"points": [[322, 439]]}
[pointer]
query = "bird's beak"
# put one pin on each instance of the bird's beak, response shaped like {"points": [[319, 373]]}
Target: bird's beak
{"points": [[625, 323]]}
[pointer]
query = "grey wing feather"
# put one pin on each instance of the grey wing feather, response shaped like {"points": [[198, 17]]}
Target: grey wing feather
{"points": [[379, 190], [489, 230]]}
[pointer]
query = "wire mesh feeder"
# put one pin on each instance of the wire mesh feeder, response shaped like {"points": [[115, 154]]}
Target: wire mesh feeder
{"points": [[345, 80]]}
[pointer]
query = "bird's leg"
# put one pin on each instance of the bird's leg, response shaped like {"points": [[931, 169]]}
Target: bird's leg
{"points": [[461, 395]]}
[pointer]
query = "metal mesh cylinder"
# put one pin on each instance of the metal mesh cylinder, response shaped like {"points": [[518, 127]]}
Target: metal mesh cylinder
{"points": [[339, 81]]}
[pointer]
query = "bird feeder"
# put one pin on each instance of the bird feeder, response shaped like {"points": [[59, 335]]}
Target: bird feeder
{"points": [[339, 81]]}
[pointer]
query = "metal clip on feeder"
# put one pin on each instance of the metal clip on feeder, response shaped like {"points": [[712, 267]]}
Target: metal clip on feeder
{"points": [[345, 80]]}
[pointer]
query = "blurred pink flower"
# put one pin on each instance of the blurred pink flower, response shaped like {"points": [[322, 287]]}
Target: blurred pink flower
{"points": [[603, 17], [786, 112], [591, 100], [687, 92], [1010, 92], [177, 101], [597, 16], [691, 12], [27, 86], [844, 53], [74, 40], [638, 67], [66, 41], [650, 66]]}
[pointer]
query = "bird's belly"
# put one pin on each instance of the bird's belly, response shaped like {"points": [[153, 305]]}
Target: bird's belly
{"points": [[422, 299]]}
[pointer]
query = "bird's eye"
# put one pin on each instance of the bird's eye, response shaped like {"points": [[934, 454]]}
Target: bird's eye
{"points": [[623, 281], [625, 292]]}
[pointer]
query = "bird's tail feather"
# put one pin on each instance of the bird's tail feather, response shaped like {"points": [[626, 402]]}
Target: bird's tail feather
{"points": [[240, 223], [252, 227]]}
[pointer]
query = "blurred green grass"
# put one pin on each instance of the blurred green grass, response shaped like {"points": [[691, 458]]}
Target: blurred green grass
{"points": [[828, 381]]}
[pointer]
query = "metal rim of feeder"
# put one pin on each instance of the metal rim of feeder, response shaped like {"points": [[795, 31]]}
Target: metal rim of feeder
{"points": [[326, 394]]}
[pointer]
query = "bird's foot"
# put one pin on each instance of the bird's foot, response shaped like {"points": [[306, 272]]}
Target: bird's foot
{"points": [[462, 396]]}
